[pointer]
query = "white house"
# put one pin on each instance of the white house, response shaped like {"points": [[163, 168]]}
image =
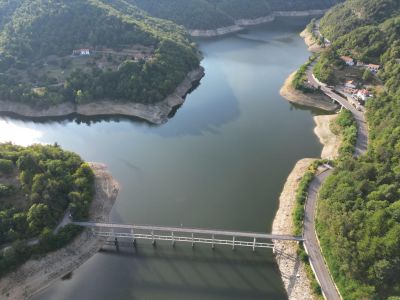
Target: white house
{"points": [[363, 94], [81, 52], [348, 60]]}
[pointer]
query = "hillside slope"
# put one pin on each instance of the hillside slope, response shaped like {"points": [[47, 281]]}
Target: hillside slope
{"points": [[213, 14], [359, 209], [133, 57]]}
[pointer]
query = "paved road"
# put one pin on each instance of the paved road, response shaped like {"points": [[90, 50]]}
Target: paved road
{"points": [[362, 137], [311, 241]]}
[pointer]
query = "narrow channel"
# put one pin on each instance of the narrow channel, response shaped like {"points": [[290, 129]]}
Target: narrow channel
{"points": [[220, 162]]}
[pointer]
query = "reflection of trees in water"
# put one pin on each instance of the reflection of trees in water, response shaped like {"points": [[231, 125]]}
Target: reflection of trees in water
{"points": [[205, 117]]}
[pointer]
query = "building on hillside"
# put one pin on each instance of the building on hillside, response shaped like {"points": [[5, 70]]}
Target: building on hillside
{"points": [[348, 60], [350, 91], [81, 52], [350, 84], [360, 63], [363, 94], [373, 68]]}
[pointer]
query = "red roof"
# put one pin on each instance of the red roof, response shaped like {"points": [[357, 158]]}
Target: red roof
{"points": [[346, 58]]}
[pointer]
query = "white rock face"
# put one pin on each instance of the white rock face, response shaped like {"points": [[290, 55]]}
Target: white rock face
{"points": [[241, 23], [155, 113]]}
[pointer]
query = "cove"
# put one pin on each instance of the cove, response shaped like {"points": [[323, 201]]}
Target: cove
{"points": [[220, 162]]}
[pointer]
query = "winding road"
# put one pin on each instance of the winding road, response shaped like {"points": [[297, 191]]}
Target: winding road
{"points": [[311, 243]]}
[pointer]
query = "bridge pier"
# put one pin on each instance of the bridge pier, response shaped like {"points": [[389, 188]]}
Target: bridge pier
{"points": [[133, 238], [212, 243], [116, 243], [153, 242], [233, 243], [192, 240], [254, 245], [173, 240]]}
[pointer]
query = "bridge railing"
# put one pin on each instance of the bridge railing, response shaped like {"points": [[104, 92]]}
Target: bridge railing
{"points": [[188, 235]]}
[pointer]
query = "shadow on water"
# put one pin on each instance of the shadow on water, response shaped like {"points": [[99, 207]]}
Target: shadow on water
{"points": [[219, 109], [223, 263]]}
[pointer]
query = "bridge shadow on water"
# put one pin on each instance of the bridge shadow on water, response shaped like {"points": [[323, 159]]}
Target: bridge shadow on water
{"points": [[213, 274]]}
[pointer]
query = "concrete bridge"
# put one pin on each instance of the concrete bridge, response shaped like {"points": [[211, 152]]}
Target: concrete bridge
{"points": [[131, 233]]}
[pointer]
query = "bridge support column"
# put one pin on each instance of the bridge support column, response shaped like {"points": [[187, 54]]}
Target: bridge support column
{"points": [[173, 239], [233, 243], [212, 243], [116, 243], [254, 244], [153, 242], [192, 240], [133, 238]]}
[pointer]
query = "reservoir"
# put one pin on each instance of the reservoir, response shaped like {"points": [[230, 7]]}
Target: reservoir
{"points": [[220, 162]]}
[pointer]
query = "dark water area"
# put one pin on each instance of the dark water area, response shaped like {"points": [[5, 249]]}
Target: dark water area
{"points": [[220, 162]]}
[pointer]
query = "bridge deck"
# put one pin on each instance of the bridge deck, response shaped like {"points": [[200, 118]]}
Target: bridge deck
{"points": [[149, 228]]}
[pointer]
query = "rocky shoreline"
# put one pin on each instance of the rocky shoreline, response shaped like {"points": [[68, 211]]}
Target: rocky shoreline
{"points": [[319, 101], [154, 113], [37, 274], [242, 23], [292, 269], [311, 42]]}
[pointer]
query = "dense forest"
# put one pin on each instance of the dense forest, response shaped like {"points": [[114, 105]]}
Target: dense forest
{"points": [[359, 210], [212, 14], [37, 185], [42, 34]]}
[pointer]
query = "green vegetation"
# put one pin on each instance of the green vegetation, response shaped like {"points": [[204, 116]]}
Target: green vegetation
{"points": [[354, 14], [374, 40], [212, 14], [346, 126], [300, 80], [298, 218], [38, 38], [35, 192], [359, 207]]}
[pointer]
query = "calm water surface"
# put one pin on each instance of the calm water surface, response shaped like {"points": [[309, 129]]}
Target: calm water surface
{"points": [[220, 162]]}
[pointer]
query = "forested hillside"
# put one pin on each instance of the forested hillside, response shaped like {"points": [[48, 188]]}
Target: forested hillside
{"points": [[134, 57], [37, 185], [354, 14], [359, 210], [212, 14]]}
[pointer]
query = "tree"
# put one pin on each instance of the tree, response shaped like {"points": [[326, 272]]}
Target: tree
{"points": [[6, 166], [39, 217], [367, 75]]}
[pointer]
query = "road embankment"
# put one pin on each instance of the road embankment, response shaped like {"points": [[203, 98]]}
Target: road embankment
{"points": [[316, 100], [327, 138], [311, 42], [156, 113], [292, 270], [37, 274]]}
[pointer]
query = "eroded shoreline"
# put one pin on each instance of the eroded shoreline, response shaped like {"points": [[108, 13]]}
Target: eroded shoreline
{"points": [[311, 100], [37, 274], [242, 23], [292, 269], [154, 113]]}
